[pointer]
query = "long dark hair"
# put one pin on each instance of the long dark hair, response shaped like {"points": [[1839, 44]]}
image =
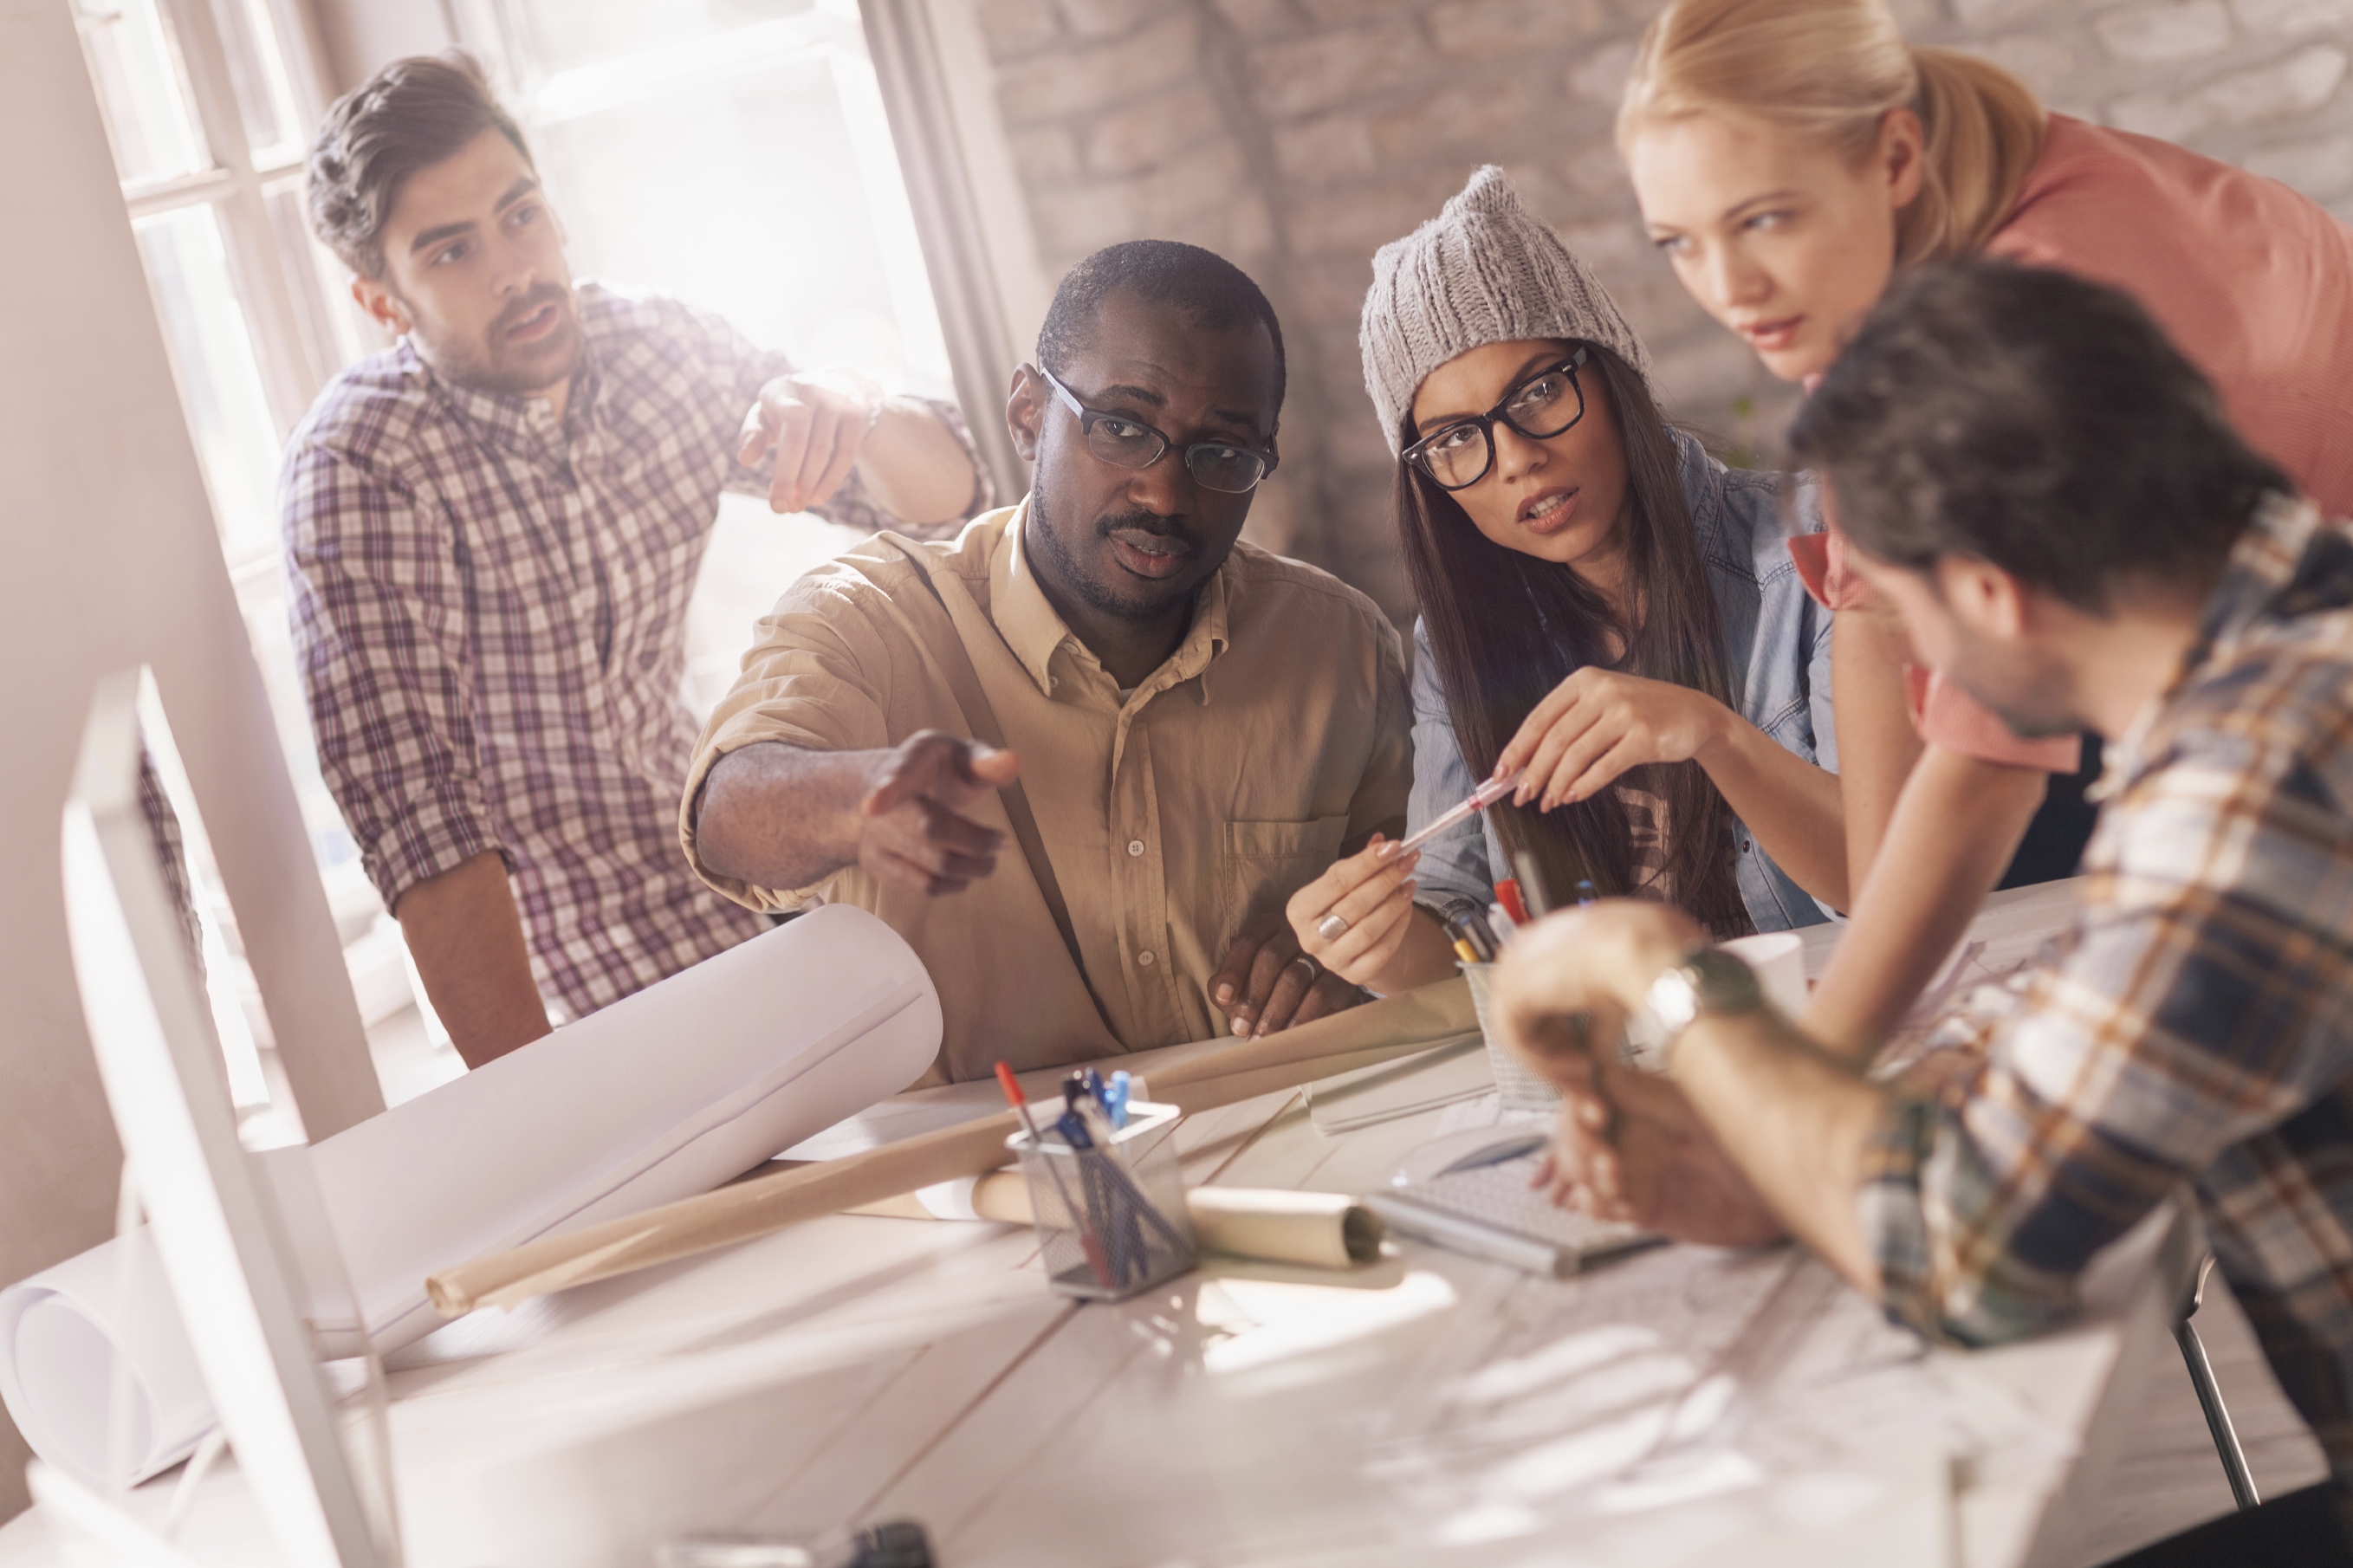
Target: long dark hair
{"points": [[1505, 628]]}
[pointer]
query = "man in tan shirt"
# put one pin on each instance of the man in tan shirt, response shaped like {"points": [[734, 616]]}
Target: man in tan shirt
{"points": [[1196, 727]]}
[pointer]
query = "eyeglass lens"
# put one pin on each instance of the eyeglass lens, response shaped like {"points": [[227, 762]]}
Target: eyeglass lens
{"points": [[1214, 466], [1459, 455]]}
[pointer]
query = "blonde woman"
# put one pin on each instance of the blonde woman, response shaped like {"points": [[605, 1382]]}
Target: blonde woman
{"points": [[1791, 157]]}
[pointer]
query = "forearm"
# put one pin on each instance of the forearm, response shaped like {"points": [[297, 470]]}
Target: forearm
{"points": [[467, 938], [1423, 957], [783, 817], [914, 466], [1794, 1122], [1791, 806], [1954, 828], [1878, 747]]}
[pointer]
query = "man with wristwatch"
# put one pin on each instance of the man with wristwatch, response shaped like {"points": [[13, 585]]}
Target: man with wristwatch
{"points": [[2051, 498]]}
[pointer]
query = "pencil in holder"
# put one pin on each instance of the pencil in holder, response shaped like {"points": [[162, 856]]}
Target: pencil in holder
{"points": [[1516, 1084], [1111, 1218]]}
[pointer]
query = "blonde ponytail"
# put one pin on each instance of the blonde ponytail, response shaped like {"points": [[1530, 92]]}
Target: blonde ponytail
{"points": [[1833, 69]]}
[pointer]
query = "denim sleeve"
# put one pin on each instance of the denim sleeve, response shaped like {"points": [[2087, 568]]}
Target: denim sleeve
{"points": [[1454, 864]]}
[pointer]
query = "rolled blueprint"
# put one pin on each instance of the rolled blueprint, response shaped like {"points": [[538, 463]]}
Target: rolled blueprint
{"points": [[660, 1096], [1361, 1036], [1321, 1230]]}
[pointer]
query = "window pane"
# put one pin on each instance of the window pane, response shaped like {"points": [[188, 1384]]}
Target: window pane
{"points": [[820, 257], [221, 385], [334, 332], [143, 88], [265, 95], [560, 35]]}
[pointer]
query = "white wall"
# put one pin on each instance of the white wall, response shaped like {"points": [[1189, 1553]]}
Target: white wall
{"points": [[107, 559]]}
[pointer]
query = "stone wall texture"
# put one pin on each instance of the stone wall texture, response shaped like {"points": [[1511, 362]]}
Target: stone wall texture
{"points": [[1295, 136]]}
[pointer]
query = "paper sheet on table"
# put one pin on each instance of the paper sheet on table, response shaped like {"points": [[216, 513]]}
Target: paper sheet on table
{"points": [[661, 1095]]}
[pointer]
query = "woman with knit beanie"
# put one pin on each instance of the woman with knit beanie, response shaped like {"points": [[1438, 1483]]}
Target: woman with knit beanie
{"points": [[1602, 605], [1791, 156]]}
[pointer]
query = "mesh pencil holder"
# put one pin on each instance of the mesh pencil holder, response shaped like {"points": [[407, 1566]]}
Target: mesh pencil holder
{"points": [[1111, 1220], [1515, 1082]]}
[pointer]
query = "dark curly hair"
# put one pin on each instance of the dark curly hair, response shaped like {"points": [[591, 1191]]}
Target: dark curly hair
{"points": [[412, 114], [2036, 420], [1211, 292]]}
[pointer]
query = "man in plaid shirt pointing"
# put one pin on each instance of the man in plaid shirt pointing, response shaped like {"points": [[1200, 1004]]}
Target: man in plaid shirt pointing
{"points": [[493, 529], [2049, 494]]}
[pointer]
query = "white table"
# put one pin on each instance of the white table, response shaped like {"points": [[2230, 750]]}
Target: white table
{"points": [[1679, 1406]]}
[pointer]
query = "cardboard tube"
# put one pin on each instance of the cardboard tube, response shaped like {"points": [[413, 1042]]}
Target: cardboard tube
{"points": [[1319, 1230], [1322, 1230], [1361, 1036]]}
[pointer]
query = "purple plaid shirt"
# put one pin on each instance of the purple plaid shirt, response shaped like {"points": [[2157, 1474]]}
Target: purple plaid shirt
{"points": [[490, 615]]}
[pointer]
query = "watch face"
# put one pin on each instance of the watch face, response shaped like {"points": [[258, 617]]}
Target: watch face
{"points": [[1707, 982]]}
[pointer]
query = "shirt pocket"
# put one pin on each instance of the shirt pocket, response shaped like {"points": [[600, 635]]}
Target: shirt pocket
{"points": [[1266, 862]]}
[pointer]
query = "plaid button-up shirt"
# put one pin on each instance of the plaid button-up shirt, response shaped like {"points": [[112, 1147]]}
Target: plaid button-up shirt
{"points": [[2198, 1027], [490, 614]]}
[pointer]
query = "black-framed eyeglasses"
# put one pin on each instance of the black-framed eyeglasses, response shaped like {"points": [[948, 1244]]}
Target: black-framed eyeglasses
{"points": [[1540, 406], [1129, 444]]}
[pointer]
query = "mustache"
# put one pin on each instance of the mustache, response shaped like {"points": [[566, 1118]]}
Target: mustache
{"points": [[541, 294], [1166, 529]]}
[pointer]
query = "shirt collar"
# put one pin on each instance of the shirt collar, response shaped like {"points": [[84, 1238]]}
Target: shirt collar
{"points": [[1035, 632], [2280, 545], [2275, 570], [525, 425]]}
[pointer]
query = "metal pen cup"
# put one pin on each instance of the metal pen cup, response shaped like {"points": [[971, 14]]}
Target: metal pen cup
{"points": [[1111, 1220], [1518, 1084]]}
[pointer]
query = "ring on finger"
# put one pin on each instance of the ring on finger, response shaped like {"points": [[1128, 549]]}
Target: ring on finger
{"points": [[1331, 927], [1315, 970]]}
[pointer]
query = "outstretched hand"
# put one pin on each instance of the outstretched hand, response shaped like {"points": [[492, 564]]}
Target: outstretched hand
{"points": [[811, 426], [914, 831]]}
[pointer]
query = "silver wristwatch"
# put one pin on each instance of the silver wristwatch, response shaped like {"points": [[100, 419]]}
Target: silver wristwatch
{"points": [[1708, 981]]}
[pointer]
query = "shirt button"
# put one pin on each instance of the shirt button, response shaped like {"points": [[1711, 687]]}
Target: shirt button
{"points": [[1144, 959], [1136, 846]]}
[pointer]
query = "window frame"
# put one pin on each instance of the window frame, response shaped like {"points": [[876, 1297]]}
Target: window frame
{"points": [[293, 341]]}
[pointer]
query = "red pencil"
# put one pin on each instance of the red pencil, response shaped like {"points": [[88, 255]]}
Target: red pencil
{"points": [[1087, 1238], [1507, 893]]}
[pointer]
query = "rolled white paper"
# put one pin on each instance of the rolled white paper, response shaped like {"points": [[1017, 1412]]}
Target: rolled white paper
{"points": [[664, 1094]]}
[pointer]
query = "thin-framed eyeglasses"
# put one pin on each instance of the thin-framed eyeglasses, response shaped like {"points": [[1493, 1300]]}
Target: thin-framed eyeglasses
{"points": [[1539, 406], [1129, 444]]}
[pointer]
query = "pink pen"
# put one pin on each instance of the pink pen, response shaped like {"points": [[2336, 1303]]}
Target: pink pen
{"points": [[1485, 796]]}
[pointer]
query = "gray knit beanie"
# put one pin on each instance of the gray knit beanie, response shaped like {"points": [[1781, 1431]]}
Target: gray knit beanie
{"points": [[1481, 271]]}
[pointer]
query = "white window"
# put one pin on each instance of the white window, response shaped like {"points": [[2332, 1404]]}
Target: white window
{"points": [[210, 105], [733, 152], [735, 156]]}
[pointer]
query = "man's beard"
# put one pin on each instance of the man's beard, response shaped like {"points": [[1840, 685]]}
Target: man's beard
{"points": [[2035, 700], [488, 366], [1101, 597]]}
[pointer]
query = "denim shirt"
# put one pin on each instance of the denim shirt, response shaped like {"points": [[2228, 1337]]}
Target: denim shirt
{"points": [[1780, 648]]}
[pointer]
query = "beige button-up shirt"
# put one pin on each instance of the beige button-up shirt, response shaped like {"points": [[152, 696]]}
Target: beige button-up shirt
{"points": [[1278, 731]]}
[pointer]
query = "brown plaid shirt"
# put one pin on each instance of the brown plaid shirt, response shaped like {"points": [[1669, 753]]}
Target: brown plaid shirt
{"points": [[490, 615], [2196, 1029]]}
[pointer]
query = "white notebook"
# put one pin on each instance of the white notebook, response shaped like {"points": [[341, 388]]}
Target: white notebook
{"points": [[1471, 1193]]}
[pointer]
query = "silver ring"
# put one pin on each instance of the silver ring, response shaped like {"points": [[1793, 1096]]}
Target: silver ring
{"points": [[1315, 970], [1331, 927]]}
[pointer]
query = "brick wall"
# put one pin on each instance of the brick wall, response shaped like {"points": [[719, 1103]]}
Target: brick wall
{"points": [[1295, 136]]}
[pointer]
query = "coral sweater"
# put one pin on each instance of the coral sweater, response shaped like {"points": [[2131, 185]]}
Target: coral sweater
{"points": [[2253, 281]]}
